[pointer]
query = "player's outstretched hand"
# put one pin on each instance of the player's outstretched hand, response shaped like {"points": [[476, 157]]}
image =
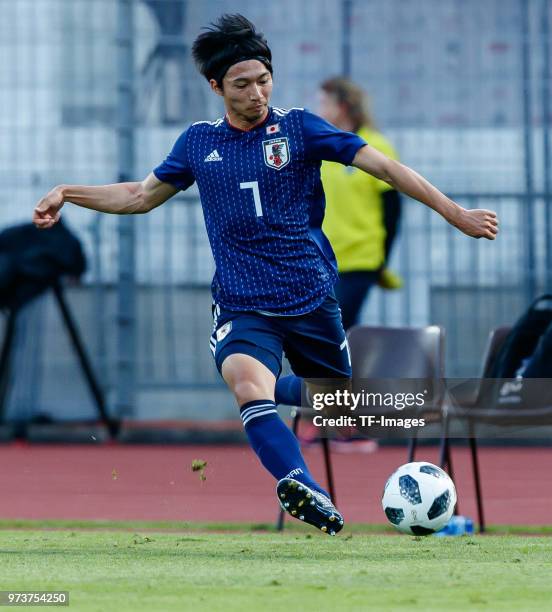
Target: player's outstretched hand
{"points": [[46, 213], [478, 223]]}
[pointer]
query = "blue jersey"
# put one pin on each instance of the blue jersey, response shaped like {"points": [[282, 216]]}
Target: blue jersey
{"points": [[263, 205]]}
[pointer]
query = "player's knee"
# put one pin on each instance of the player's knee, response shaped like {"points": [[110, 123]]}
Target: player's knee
{"points": [[249, 391]]}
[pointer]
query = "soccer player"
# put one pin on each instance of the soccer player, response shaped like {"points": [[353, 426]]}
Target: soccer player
{"points": [[258, 172]]}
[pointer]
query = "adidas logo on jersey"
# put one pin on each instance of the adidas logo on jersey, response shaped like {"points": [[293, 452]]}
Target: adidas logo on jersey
{"points": [[213, 156]]}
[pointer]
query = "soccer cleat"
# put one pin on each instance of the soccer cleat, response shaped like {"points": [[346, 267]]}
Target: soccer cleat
{"points": [[318, 512]]}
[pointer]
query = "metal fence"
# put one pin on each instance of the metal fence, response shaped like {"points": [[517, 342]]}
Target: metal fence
{"points": [[96, 91]]}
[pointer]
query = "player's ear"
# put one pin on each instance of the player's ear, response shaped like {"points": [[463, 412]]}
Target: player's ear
{"points": [[215, 87]]}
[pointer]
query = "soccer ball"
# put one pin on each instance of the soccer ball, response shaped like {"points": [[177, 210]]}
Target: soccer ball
{"points": [[419, 498]]}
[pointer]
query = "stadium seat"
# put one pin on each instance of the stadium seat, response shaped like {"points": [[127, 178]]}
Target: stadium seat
{"points": [[473, 406], [382, 355], [379, 357]]}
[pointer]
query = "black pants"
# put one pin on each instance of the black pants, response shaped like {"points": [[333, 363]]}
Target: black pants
{"points": [[351, 290]]}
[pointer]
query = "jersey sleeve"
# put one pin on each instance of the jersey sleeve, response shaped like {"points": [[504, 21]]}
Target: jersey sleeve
{"points": [[323, 141], [175, 169]]}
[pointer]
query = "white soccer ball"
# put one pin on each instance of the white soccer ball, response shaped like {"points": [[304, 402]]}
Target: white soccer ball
{"points": [[419, 498]]}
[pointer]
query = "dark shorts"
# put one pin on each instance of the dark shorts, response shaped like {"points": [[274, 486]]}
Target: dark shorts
{"points": [[314, 343]]}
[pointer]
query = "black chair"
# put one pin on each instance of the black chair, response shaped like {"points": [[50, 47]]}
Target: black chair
{"points": [[383, 355], [473, 405], [415, 355]]}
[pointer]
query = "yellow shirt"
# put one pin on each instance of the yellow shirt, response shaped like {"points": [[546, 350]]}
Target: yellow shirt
{"points": [[354, 210]]}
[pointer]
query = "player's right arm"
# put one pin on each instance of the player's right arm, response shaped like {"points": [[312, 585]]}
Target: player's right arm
{"points": [[478, 223], [119, 199], [323, 141]]}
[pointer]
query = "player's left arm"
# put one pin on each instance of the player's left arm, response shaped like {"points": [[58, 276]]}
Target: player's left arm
{"points": [[478, 223]]}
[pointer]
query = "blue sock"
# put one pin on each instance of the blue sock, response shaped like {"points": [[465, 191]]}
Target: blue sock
{"points": [[275, 444], [288, 390]]}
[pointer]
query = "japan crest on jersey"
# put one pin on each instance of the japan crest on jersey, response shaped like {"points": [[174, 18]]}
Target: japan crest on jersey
{"points": [[276, 152]]}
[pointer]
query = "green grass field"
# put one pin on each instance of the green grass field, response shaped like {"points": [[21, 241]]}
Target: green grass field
{"points": [[300, 570]]}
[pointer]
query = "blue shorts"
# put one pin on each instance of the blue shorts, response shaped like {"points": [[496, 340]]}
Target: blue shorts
{"points": [[314, 343]]}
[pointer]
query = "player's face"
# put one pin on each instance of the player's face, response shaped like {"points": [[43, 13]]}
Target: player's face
{"points": [[247, 87]]}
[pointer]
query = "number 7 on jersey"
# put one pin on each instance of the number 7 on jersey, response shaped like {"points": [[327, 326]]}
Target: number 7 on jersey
{"points": [[254, 185]]}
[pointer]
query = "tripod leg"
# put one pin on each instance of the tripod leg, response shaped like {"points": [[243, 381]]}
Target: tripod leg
{"points": [[5, 360], [95, 389]]}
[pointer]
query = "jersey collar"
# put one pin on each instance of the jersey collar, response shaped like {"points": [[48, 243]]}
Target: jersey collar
{"points": [[259, 125]]}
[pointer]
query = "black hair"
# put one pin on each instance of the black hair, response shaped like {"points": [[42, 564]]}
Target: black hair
{"points": [[230, 40]]}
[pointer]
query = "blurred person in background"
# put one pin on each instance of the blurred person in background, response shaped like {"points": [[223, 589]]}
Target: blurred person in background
{"points": [[258, 173], [362, 212]]}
